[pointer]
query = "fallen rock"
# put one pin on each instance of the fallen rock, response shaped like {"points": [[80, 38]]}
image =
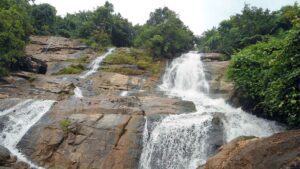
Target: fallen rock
{"points": [[280, 151]]}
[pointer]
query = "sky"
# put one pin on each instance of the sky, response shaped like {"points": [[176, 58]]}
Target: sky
{"points": [[198, 15]]}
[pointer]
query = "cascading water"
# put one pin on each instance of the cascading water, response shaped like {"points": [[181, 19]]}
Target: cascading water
{"points": [[94, 66], [78, 92], [186, 141], [17, 120]]}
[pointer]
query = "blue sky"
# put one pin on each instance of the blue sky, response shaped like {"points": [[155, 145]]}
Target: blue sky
{"points": [[199, 15]]}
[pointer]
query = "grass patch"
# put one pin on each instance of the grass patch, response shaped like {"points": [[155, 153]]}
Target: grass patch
{"points": [[82, 60], [73, 69], [130, 56], [64, 124]]}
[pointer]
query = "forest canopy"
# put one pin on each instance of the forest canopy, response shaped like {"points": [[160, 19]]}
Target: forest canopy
{"points": [[164, 35]]}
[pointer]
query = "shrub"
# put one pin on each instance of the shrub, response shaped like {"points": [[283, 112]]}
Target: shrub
{"points": [[73, 69], [140, 58], [64, 124], [267, 74]]}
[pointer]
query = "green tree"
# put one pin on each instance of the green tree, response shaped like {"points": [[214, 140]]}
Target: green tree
{"points": [[44, 19], [14, 32], [267, 76], [165, 34]]}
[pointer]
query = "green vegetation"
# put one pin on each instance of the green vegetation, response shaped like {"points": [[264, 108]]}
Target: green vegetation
{"points": [[99, 28], [73, 69], [14, 32], [249, 27], [64, 124], [130, 56], [164, 34], [267, 73], [44, 19]]}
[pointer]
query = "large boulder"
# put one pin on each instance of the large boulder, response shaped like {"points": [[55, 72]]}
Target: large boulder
{"points": [[215, 72], [280, 151], [31, 64], [4, 156]]}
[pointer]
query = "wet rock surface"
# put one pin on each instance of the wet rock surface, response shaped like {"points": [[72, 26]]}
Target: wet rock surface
{"points": [[215, 70], [102, 129], [280, 151]]}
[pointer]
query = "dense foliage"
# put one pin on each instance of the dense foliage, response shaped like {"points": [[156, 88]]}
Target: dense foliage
{"points": [[15, 28], [267, 75], [131, 61], [164, 34], [44, 19], [99, 28], [251, 26]]}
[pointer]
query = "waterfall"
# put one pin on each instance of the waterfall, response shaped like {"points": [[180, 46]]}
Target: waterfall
{"points": [[78, 92], [94, 66], [124, 93], [17, 120], [187, 140]]}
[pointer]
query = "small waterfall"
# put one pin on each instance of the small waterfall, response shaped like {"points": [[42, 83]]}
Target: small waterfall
{"points": [[16, 122], [186, 141], [78, 92], [124, 93], [94, 66]]}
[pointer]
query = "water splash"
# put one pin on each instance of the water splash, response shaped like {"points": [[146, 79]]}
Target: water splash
{"points": [[78, 92], [124, 93], [18, 120], [186, 141]]}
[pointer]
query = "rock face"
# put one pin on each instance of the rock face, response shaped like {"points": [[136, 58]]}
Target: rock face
{"points": [[280, 151], [31, 64], [215, 70], [99, 132]]}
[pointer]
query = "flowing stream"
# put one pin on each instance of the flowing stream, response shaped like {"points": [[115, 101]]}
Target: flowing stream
{"points": [[94, 66], [17, 120], [187, 140]]}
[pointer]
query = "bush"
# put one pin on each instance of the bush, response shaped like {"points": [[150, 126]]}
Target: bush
{"points": [[130, 56], [267, 74], [64, 124], [14, 32], [73, 69]]}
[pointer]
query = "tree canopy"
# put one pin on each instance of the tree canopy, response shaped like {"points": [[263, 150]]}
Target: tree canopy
{"points": [[164, 34], [15, 28], [267, 73], [251, 26]]}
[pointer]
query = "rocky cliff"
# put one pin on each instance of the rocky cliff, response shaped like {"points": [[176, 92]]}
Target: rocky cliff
{"points": [[104, 128]]}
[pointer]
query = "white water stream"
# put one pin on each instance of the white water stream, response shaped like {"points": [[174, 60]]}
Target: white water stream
{"points": [[185, 141], [16, 122], [94, 66]]}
